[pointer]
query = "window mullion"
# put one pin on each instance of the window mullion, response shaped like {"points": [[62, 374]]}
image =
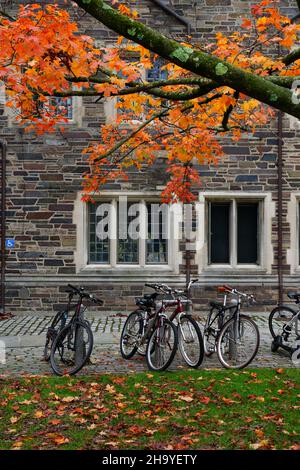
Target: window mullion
{"points": [[233, 234], [142, 233], [113, 233]]}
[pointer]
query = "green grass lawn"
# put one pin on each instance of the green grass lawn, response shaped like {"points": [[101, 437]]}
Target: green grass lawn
{"points": [[204, 409]]}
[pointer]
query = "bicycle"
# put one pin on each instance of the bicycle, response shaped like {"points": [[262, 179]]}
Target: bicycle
{"points": [[148, 331], [58, 323], [234, 336], [73, 344], [190, 341], [284, 325]]}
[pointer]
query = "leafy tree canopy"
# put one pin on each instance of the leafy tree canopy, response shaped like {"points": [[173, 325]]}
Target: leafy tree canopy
{"points": [[203, 90]]}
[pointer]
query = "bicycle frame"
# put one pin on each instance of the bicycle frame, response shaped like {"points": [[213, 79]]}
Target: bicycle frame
{"points": [[221, 314], [287, 328]]}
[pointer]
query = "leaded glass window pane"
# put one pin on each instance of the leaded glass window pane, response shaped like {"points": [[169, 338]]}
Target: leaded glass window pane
{"points": [[157, 246], [128, 248], [64, 106], [157, 72], [98, 244]]}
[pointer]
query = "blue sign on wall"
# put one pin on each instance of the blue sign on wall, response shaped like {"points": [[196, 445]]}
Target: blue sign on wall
{"points": [[9, 243]]}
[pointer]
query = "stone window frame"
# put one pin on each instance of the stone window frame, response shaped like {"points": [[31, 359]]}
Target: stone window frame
{"points": [[267, 212], [293, 218], [80, 219]]}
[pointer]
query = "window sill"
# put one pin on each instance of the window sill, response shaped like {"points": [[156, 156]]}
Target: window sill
{"points": [[126, 269], [239, 269]]}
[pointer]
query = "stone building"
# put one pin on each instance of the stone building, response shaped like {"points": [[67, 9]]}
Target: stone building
{"points": [[238, 241]]}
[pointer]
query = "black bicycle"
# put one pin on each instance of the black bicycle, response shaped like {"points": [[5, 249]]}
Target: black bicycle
{"points": [[235, 337], [149, 332], [284, 325], [73, 343], [58, 323]]}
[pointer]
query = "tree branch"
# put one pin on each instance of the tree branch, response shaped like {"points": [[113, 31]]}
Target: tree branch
{"points": [[6, 15], [132, 134], [228, 112], [198, 62], [291, 57]]}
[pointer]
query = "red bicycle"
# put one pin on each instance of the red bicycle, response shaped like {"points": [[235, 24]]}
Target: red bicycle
{"points": [[190, 341], [148, 330]]}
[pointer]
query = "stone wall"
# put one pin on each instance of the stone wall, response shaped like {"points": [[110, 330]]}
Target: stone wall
{"points": [[44, 177]]}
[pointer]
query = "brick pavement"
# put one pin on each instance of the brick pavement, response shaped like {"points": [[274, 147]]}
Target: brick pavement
{"points": [[24, 337]]}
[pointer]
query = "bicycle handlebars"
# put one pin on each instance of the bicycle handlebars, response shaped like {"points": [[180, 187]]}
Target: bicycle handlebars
{"points": [[169, 290], [233, 291], [83, 294]]}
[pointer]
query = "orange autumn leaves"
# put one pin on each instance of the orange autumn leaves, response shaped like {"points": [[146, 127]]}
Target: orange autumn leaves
{"points": [[38, 51], [43, 53]]}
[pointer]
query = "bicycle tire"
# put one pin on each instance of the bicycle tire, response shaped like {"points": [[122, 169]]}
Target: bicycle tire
{"points": [[52, 332], [207, 350], [272, 315], [48, 345], [151, 348], [58, 343], [139, 323], [198, 360], [228, 324]]}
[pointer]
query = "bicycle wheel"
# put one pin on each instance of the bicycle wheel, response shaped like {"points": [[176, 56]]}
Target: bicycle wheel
{"points": [[131, 333], [71, 348], [162, 345], [59, 319], [238, 342], [280, 324], [210, 334], [190, 341], [51, 334], [143, 346]]}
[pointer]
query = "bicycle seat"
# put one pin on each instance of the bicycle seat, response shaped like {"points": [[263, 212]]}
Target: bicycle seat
{"points": [[149, 296], [147, 300], [294, 296]]}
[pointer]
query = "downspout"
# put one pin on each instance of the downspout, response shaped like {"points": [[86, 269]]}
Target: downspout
{"points": [[169, 10], [280, 209], [3, 226]]}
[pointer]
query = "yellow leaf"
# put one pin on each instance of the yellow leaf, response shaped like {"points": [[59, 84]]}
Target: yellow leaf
{"points": [[188, 399]]}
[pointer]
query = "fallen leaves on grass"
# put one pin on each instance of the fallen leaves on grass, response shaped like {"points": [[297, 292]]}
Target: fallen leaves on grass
{"points": [[160, 411]]}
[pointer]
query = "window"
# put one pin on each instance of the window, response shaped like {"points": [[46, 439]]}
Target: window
{"points": [[157, 72], [114, 108], [157, 247], [127, 243], [128, 233], [233, 236], [64, 106], [293, 220], [247, 232], [219, 232]]}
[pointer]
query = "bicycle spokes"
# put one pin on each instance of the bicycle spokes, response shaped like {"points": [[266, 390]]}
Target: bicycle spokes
{"points": [[238, 343]]}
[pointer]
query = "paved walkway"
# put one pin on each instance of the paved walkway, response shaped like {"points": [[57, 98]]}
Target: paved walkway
{"points": [[24, 338]]}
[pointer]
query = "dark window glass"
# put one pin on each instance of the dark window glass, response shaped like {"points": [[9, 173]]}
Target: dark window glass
{"points": [[247, 231], [219, 232]]}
